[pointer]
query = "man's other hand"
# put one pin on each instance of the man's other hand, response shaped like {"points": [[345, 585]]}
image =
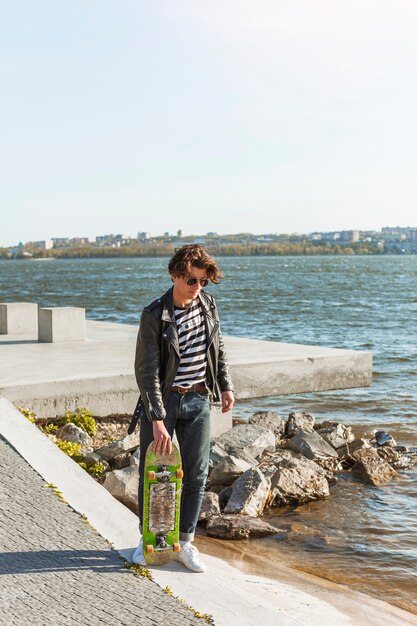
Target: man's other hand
{"points": [[228, 400], [162, 440]]}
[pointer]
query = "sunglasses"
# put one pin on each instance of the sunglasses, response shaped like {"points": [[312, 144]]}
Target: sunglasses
{"points": [[193, 281]]}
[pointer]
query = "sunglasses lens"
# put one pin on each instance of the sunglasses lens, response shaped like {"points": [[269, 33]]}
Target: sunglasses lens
{"points": [[192, 281]]}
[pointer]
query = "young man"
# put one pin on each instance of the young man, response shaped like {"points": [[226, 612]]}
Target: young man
{"points": [[180, 366]]}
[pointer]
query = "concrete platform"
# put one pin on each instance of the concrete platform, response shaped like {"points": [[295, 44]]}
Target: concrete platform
{"points": [[98, 373], [233, 597]]}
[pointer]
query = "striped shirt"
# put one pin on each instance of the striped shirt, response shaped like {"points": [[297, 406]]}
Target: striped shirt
{"points": [[193, 345]]}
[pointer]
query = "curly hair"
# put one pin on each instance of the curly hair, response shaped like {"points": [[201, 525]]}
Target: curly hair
{"points": [[194, 254]]}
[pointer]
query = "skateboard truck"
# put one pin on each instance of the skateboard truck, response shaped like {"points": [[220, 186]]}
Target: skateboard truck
{"points": [[163, 474], [161, 541]]}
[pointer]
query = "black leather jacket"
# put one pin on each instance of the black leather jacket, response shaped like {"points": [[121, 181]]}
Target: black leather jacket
{"points": [[158, 357]]}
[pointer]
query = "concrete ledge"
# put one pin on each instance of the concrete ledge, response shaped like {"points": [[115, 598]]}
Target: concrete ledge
{"points": [[53, 378], [230, 595], [61, 324], [267, 368], [17, 318]]}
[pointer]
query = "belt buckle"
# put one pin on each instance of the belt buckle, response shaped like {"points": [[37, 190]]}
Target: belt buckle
{"points": [[182, 390]]}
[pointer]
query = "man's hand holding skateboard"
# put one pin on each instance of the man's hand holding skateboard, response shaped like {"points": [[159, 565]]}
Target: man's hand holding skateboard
{"points": [[161, 440]]}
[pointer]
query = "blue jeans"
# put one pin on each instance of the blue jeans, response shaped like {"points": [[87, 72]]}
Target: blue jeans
{"points": [[189, 416]]}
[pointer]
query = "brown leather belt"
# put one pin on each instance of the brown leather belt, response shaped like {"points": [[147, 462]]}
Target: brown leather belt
{"points": [[199, 387]]}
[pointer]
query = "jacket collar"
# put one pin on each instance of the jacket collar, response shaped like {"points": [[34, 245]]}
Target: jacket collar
{"points": [[168, 306]]}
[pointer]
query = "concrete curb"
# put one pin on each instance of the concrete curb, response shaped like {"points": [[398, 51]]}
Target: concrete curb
{"points": [[231, 596]]}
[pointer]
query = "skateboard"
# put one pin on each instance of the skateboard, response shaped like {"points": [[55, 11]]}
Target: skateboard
{"points": [[161, 505]]}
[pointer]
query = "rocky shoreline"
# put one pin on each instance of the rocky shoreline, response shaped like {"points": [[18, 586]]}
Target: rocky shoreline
{"points": [[266, 462]]}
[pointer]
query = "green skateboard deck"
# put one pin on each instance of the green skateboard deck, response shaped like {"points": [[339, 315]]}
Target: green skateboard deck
{"points": [[162, 483]]}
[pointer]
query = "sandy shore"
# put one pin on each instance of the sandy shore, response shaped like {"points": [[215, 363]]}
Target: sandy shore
{"points": [[334, 593]]}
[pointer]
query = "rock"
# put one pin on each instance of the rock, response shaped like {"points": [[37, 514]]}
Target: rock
{"points": [[382, 438], [210, 506], [270, 460], [330, 465], [411, 454], [91, 459], [352, 447], [390, 455], [121, 460], [238, 527], [135, 457], [217, 453], [297, 422], [326, 425], [243, 455], [215, 488], [302, 535], [309, 443], [123, 485], [268, 419], [226, 472], [397, 460], [337, 435], [249, 494], [370, 468], [247, 438], [404, 462], [71, 432], [224, 496], [111, 450], [298, 481]]}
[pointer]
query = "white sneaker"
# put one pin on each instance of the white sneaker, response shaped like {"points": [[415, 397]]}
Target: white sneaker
{"points": [[190, 558], [138, 557]]}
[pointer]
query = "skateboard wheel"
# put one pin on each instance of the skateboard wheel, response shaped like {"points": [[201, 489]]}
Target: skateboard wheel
{"points": [[151, 475], [149, 549], [177, 547], [179, 473]]}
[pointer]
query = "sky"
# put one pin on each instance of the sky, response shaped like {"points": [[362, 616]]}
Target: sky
{"points": [[119, 116]]}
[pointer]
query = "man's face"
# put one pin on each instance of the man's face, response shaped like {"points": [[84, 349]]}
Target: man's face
{"points": [[186, 293]]}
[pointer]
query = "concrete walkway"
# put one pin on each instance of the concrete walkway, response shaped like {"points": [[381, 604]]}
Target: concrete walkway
{"points": [[57, 570], [54, 565]]}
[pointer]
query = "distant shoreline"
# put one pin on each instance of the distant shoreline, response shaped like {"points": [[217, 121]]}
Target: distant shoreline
{"points": [[217, 253], [303, 247]]}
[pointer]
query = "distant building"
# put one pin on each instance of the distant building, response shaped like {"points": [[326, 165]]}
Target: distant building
{"points": [[351, 236], [315, 236], [104, 240], [143, 237], [79, 241], [61, 242], [330, 236], [45, 244], [395, 230], [179, 233], [122, 240]]}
